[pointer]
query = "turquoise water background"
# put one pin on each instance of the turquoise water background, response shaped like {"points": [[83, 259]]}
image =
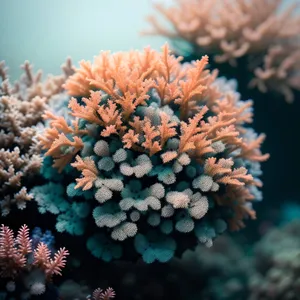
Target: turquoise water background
{"points": [[46, 32]]}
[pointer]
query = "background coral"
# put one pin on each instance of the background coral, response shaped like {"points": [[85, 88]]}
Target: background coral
{"points": [[142, 124], [262, 35], [21, 108], [277, 264]]}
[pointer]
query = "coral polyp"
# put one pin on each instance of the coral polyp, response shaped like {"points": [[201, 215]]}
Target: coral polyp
{"points": [[155, 155]]}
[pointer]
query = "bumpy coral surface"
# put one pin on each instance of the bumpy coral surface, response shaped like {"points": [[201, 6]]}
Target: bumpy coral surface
{"points": [[260, 30], [159, 152], [21, 108]]}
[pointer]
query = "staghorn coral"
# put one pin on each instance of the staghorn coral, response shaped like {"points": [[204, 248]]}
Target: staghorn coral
{"points": [[262, 32], [31, 268], [163, 149], [21, 108]]}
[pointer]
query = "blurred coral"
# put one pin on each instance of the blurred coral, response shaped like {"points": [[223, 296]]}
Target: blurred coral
{"points": [[277, 261], [262, 31], [21, 108], [99, 294], [162, 147]]}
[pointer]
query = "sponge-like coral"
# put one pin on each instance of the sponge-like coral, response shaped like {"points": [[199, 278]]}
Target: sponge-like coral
{"points": [[21, 108], [261, 34], [162, 147]]}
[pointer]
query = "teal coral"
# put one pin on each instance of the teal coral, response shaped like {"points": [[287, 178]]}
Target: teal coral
{"points": [[155, 247]]}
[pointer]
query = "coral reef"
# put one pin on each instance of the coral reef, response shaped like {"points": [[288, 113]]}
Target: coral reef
{"points": [[156, 150], [27, 269], [260, 34], [21, 108]]}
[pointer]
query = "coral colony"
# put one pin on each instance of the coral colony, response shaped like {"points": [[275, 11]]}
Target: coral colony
{"points": [[260, 34], [157, 155]]}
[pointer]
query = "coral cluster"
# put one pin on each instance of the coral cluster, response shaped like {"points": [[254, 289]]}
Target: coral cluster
{"points": [[21, 108], [262, 31], [157, 152], [24, 265]]}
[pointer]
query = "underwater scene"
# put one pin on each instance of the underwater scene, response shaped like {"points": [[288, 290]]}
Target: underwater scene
{"points": [[150, 150]]}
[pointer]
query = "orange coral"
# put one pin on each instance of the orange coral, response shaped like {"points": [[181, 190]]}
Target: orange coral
{"points": [[89, 172]]}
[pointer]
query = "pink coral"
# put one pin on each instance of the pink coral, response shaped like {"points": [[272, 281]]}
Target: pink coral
{"points": [[14, 255], [108, 294]]}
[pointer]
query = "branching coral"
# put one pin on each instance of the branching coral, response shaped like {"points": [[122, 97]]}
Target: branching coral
{"points": [[162, 147], [261, 31], [21, 108]]}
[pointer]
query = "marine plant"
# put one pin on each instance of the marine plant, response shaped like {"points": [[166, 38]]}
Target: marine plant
{"points": [[155, 156], [259, 34]]}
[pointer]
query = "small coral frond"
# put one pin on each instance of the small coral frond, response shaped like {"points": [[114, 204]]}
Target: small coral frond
{"points": [[194, 85], [236, 177], [41, 255], [63, 150], [57, 122], [130, 138], [111, 119], [108, 294], [150, 134], [213, 168], [251, 150], [89, 172], [190, 131], [169, 156], [78, 84], [55, 265], [87, 112], [23, 240], [166, 129]]}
